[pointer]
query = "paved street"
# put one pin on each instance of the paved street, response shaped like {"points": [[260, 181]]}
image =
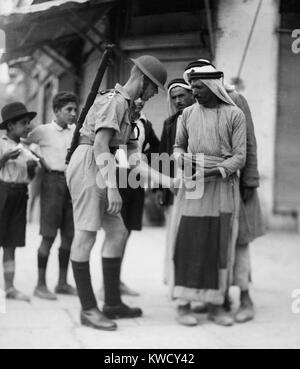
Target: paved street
{"points": [[276, 260]]}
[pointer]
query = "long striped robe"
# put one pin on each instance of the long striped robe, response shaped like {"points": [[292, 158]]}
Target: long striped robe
{"points": [[205, 229]]}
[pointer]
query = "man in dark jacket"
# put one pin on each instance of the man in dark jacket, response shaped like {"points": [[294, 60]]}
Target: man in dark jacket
{"points": [[179, 97]]}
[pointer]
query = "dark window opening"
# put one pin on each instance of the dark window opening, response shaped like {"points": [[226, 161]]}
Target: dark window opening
{"points": [[165, 17], [72, 51], [143, 8], [289, 6], [290, 14]]}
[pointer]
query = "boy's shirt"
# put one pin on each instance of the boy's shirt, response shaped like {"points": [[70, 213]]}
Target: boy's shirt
{"points": [[14, 171], [54, 143]]}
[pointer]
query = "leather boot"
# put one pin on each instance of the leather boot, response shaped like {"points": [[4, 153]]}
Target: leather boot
{"points": [[95, 319], [121, 311]]}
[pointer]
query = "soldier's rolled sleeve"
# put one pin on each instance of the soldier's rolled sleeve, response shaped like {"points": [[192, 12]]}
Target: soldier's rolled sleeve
{"points": [[108, 114]]}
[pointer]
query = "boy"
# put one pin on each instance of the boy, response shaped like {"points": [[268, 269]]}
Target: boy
{"points": [[17, 168], [54, 140]]}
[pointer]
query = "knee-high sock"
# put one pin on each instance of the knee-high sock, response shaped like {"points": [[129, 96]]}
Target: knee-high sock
{"points": [[111, 279], [43, 256], [84, 285], [9, 267], [9, 274], [42, 267], [64, 258]]}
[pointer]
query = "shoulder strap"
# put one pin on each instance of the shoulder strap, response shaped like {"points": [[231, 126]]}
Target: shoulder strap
{"points": [[104, 92]]}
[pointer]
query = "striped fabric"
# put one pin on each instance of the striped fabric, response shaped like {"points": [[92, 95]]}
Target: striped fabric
{"points": [[219, 134]]}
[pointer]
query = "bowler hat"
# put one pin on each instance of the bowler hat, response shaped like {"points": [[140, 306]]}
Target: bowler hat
{"points": [[15, 111]]}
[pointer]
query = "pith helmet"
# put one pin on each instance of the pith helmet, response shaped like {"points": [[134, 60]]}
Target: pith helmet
{"points": [[153, 69]]}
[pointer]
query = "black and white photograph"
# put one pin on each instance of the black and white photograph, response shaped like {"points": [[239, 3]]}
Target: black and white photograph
{"points": [[149, 177]]}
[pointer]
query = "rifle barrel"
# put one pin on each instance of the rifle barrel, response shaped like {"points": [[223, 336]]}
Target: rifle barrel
{"points": [[90, 100]]}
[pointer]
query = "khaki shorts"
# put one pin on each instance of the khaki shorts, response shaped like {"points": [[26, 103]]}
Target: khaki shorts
{"points": [[56, 206], [89, 201]]}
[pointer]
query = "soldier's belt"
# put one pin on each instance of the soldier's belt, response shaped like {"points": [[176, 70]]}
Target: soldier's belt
{"points": [[84, 140]]}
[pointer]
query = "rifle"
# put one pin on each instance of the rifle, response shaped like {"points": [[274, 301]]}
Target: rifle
{"points": [[90, 100]]}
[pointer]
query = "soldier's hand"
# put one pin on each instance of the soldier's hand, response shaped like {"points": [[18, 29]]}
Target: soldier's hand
{"points": [[159, 198], [175, 185], [114, 201], [247, 193], [181, 161]]}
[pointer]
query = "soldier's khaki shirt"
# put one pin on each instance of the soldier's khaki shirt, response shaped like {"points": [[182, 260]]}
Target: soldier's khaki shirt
{"points": [[111, 110]]}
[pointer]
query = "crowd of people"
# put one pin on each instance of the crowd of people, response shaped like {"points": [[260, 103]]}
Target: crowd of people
{"points": [[207, 236]]}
